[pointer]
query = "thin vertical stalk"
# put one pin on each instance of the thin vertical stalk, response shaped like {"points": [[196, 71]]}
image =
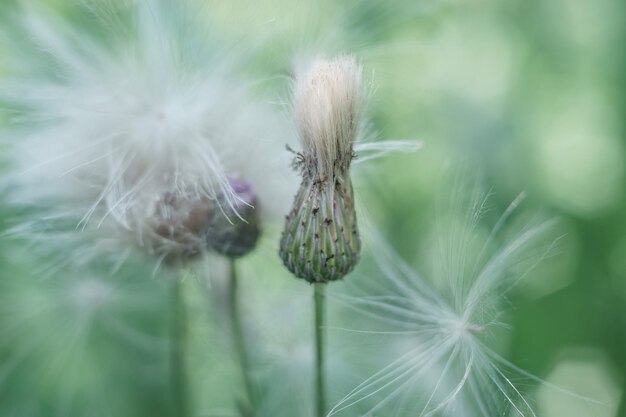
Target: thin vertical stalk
{"points": [[320, 374], [239, 339], [622, 407], [178, 362]]}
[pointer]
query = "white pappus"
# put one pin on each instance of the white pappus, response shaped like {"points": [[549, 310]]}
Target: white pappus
{"points": [[437, 330], [134, 128]]}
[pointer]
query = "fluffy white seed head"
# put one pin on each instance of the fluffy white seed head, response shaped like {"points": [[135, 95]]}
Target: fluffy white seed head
{"points": [[136, 129], [441, 362], [328, 101]]}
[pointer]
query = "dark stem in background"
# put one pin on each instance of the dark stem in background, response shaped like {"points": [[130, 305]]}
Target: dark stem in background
{"points": [[320, 375], [239, 339], [178, 363]]}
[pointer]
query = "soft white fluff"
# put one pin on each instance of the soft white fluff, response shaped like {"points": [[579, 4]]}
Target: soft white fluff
{"points": [[440, 363], [136, 122], [328, 102]]}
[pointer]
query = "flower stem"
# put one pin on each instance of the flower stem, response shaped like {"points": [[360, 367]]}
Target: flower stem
{"points": [[178, 363], [320, 375], [239, 339]]}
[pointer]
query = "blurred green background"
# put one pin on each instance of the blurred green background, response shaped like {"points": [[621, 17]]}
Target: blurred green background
{"points": [[532, 92]]}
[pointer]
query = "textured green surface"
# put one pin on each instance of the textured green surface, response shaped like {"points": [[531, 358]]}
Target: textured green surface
{"points": [[321, 240]]}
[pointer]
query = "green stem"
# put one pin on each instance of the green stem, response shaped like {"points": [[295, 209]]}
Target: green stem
{"points": [[178, 363], [320, 375], [239, 339]]}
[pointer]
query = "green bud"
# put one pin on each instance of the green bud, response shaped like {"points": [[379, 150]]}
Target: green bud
{"points": [[321, 242]]}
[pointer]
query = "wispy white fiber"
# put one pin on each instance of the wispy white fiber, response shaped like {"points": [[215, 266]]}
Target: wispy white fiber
{"points": [[328, 102], [135, 122], [58, 328], [444, 363]]}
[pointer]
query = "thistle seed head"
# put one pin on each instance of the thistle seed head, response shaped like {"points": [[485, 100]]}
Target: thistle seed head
{"points": [[320, 242], [144, 119]]}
